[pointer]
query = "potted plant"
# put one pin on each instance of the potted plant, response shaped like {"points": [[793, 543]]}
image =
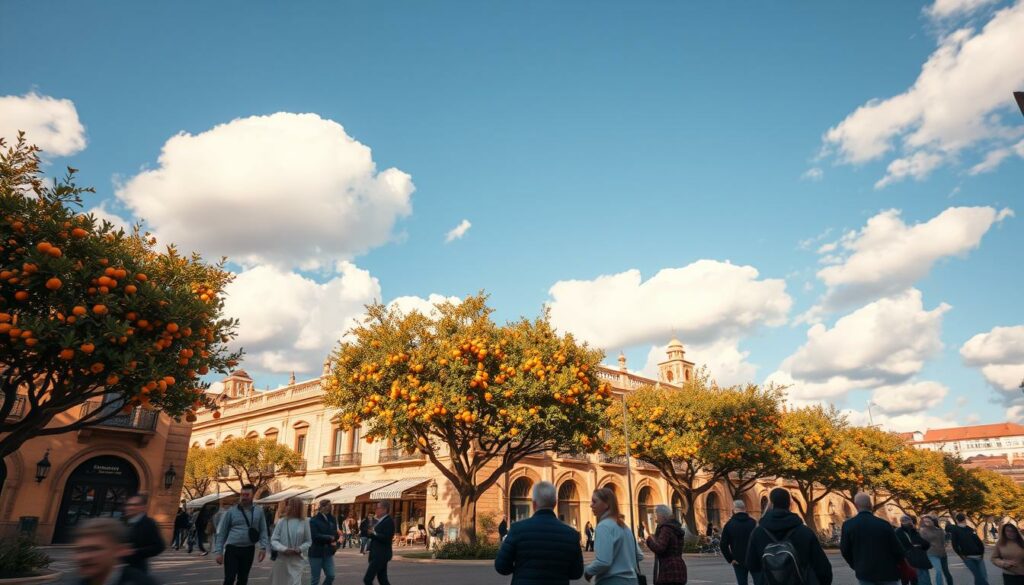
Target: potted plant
{"points": [[22, 562]]}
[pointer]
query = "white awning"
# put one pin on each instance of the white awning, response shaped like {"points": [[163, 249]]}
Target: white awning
{"points": [[350, 493], [281, 495], [396, 490], [316, 493], [208, 499]]}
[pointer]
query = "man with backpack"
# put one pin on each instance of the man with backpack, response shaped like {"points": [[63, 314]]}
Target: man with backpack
{"points": [[969, 547], [785, 551], [870, 546]]}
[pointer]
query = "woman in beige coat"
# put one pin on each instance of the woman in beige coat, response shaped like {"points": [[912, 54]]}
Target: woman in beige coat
{"points": [[1008, 555]]}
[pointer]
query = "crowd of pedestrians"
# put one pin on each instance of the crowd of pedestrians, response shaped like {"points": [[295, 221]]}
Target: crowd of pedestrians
{"points": [[779, 549]]}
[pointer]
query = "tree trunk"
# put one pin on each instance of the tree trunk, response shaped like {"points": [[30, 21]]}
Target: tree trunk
{"points": [[808, 508], [690, 516], [467, 517]]}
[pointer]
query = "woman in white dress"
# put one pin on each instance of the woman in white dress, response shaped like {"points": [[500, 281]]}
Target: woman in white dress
{"points": [[291, 541]]}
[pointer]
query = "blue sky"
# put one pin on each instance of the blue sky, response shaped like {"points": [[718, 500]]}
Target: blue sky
{"points": [[580, 140]]}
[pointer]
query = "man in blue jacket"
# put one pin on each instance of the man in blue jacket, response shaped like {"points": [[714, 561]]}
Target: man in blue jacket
{"points": [[323, 530], [541, 550]]}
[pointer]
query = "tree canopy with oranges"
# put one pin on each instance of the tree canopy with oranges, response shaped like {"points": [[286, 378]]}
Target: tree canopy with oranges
{"points": [[92, 314], [697, 435], [473, 396], [818, 455]]}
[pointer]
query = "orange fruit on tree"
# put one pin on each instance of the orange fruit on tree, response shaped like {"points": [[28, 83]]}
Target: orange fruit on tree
{"points": [[54, 252], [79, 310], [21, 295], [44, 247], [79, 233], [99, 309], [141, 277], [54, 283], [67, 354], [87, 348], [216, 414], [131, 289]]}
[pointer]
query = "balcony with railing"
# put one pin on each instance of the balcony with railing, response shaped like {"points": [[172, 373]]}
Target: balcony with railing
{"points": [[298, 468], [342, 461], [139, 422], [399, 455], [640, 464], [17, 409], [574, 456], [608, 459]]}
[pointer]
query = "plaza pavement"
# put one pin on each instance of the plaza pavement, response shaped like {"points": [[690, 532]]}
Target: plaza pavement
{"points": [[178, 568]]}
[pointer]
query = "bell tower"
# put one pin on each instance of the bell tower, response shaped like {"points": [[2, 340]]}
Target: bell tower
{"points": [[238, 384], [675, 370]]}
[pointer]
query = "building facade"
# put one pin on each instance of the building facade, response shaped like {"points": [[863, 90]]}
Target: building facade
{"points": [[999, 447], [352, 473], [91, 472]]}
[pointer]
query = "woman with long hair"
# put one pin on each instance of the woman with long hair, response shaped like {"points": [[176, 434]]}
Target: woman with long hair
{"points": [[291, 541], [936, 538], [616, 553], [1008, 555]]}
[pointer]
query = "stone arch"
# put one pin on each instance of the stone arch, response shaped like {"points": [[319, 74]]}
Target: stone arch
{"points": [[570, 498], [63, 471], [252, 435], [613, 481], [196, 445], [210, 443], [15, 472], [520, 498]]}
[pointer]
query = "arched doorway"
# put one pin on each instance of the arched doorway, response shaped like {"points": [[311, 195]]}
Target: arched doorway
{"points": [[98, 487], [678, 507], [569, 504], [645, 505], [713, 508], [611, 487], [519, 500]]}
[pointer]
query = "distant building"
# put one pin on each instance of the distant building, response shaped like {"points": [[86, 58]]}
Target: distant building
{"points": [[999, 446]]}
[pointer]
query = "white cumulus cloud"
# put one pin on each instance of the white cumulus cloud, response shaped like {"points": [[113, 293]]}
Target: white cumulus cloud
{"points": [[950, 8], [901, 423], [426, 306], [887, 255], [51, 124], [458, 231], [999, 354], [908, 398], [959, 100], [290, 190], [700, 303], [883, 343]]}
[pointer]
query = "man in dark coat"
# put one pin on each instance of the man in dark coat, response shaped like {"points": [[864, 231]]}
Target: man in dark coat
{"points": [[869, 545], [970, 549], [323, 531], [181, 524], [381, 536], [779, 523], [201, 524], [101, 545], [364, 534], [541, 550], [502, 529], [143, 533], [735, 538]]}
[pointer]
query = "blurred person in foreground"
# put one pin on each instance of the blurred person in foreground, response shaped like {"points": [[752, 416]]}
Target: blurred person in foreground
{"points": [[99, 552]]}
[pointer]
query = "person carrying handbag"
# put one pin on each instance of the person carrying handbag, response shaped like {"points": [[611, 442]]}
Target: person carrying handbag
{"points": [[914, 548]]}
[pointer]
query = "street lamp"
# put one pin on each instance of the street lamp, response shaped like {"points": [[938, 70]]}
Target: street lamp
{"points": [[43, 467], [169, 476], [871, 419], [433, 488]]}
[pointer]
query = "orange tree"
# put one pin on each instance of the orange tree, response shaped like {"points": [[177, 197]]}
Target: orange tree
{"points": [[256, 461], [475, 397], [816, 454], [896, 472], [201, 468], [696, 435], [89, 312]]}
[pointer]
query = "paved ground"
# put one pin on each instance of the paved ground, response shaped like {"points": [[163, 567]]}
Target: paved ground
{"points": [[178, 568]]}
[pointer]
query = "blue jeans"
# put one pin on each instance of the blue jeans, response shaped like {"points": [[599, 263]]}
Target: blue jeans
{"points": [[316, 564], [977, 568], [924, 577], [941, 565], [741, 574]]}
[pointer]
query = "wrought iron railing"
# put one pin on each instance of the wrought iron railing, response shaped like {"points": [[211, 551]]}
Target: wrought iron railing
{"points": [[17, 409], [399, 454], [343, 460], [613, 459], [139, 419], [574, 456]]}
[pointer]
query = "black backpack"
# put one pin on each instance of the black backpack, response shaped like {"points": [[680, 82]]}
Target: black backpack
{"points": [[779, 561]]}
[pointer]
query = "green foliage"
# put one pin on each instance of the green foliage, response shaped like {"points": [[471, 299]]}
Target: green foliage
{"points": [[257, 461], [88, 310], [201, 468], [489, 525], [455, 379], [19, 557], [458, 550]]}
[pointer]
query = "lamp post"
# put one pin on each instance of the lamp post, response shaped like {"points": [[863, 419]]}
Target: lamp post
{"points": [[433, 488], [871, 419], [43, 467], [629, 468]]}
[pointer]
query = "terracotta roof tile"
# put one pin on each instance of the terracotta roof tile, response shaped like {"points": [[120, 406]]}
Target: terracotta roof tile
{"points": [[973, 432]]}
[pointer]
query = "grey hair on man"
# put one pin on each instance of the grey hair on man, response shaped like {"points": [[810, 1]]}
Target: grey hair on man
{"points": [[545, 496], [663, 513], [862, 501], [739, 506]]}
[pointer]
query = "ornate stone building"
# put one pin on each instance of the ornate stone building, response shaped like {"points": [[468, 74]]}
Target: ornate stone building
{"points": [[339, 466]]}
